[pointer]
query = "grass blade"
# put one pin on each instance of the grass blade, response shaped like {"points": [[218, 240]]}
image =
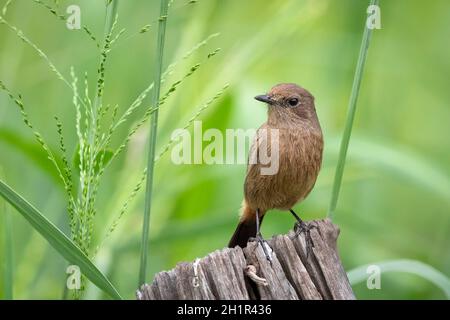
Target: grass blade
{"points": [[152, 143], [58, 240], [5, 218], [5, 7], [421, 269], [350, 117], [9, 257]]}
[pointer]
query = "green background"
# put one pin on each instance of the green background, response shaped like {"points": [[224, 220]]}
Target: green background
{"points": [[395, 196]]}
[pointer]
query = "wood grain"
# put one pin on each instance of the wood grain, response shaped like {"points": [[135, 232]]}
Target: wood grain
{"points": [[290, 275]]}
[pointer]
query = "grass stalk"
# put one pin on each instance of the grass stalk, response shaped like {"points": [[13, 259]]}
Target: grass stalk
{"points": [[110, 16], [350, 116], [8, 256], [111, 12], [89, 182], [5, 217], [152, 142]]}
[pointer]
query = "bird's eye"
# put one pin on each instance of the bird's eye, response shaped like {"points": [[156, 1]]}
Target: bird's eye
{"points": [[293, 102]]}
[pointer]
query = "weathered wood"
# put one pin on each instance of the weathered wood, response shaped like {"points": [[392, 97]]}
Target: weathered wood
{"points": [[324, 264], [185, 288], [294, 269], [224, 271], [292, 273], [278, 285]]}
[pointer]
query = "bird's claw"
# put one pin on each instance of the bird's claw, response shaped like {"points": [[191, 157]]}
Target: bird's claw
{"points": [[264, 246], [302, 227]]}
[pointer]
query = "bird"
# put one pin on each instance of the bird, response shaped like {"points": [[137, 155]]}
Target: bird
{"points": [[292, 115]]}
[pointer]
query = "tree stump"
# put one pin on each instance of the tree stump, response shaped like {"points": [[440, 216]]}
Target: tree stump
{"points": [[246, 274]]}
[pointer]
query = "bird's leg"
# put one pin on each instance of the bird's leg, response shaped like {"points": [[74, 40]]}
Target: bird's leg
{"points": [[301, 227], [260, 239]]}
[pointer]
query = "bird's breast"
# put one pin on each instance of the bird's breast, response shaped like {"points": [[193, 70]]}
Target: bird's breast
{"points": [[299, 157]]}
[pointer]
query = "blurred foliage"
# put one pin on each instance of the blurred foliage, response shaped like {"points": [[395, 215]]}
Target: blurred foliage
{"points": [[395, 199]]}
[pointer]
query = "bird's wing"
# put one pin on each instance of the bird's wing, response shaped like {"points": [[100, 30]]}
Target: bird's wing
{"points": [[254, 165], [258, 140]]}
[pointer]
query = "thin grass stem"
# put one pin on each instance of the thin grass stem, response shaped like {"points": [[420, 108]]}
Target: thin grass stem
{"points": [[350, 117], [90, 184], [152, 143], [5, 217]]}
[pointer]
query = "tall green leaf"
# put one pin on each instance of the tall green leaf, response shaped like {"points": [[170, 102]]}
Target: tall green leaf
{"points": [[58, 240], [421, 269], [6, 223], [350, 116], [152, 142], [9, 256]]}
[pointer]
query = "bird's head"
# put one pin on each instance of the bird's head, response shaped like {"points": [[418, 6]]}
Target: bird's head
{"points": [[288, 100]]}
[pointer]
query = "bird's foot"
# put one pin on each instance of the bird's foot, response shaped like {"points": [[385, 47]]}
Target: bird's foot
{"points": [[302, 227], [265, 246]]}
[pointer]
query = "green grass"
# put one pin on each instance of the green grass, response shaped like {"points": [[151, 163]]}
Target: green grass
{"points": [[92, 155], [393, 201], [350, 117], [91, 158], [57, 239], [418, 268], [152, 144], [8, 248], [9, 257]]}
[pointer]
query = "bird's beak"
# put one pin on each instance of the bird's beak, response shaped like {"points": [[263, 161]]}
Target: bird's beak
{"points": [[264, 98]]}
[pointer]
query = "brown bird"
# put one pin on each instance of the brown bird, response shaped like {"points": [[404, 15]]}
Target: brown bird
{"points": [[292, 115]]}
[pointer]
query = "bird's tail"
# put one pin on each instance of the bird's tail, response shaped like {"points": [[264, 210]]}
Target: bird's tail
{"points": [[246, 228]]}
